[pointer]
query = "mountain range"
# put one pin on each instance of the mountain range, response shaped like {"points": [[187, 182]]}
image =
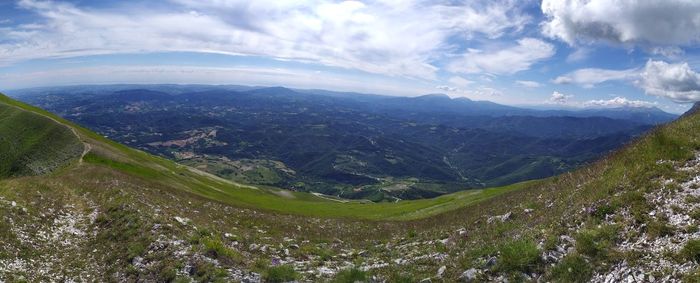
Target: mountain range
{"points": [[76, 206], [350, 145]]}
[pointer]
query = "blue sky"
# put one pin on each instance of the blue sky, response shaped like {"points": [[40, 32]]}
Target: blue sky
{"points": [[558, 54]]}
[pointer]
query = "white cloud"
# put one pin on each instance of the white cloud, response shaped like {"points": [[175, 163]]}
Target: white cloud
{"points": [[529, 84], [509, 60], [619, 102], [668, 51], [559, 98], [657, 22], [578, 55], [591, 76], [385, 37], [447, 88], [296, 78], [460, 81], [677, 82]]}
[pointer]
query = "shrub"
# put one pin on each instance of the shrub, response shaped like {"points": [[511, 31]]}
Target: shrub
{"points": [[596, 243], [691, 251], [216, 249], [207, 272], [518, 256], [279, 274], [637, 203], [350, 276], [604, 210], [573, 268], [695, 214], [658, 228]]}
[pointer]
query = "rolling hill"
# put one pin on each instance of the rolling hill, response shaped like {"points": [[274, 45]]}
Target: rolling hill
{"points": [[356, 146], [106, 212]]}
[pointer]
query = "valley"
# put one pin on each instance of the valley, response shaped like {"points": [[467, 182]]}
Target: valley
{"points": [[348, 145], [131, 216]]}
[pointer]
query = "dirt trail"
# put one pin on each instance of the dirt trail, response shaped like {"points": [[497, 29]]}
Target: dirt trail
{"points": [[86, 146]]}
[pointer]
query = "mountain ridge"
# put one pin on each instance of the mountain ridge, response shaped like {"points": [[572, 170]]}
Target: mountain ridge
{"points": [[150, 219]]}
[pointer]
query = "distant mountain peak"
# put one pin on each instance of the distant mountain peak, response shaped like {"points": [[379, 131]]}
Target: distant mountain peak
{"points": [[435, 96], [274, 90], [692, 110]]}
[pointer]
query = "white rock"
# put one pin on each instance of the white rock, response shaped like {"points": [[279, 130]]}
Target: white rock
{"points": [[469, 275], [441, 271], [182, 220]]}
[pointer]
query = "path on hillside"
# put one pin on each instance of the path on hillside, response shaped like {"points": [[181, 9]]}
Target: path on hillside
{"points": [[86, 146]]}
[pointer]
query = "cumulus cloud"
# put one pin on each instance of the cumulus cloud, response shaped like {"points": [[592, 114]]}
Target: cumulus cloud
{"points": [[559, 98], [657, 22], [528, 84], [619, 102], [519, 57], [677, 82], [590, 77], [398, 38]]}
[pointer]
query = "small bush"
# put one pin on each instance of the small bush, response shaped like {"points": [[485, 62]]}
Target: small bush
{"points": [[596, 243], [691, 251], [692, 199], [692, 277], [518, 256], [279, 274], [207, 272], [695, 214], [604, 210], [658, 228], [573, 268], [350, 276], [216, 249], [638, 206]]}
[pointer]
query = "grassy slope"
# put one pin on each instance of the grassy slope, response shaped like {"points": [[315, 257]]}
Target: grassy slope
{"points": [[558, 206], [31, 144], [155, 169]]}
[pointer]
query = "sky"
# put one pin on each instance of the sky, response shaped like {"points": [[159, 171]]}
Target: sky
{"points": [[555, 54]]}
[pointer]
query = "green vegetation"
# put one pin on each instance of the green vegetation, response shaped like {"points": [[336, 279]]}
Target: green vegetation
{"points": [[214, 248], [691, 251], [596, 243], [351, 275], [518, 256], [31, 144], [279, 274], [573, 268], [137, 198]]}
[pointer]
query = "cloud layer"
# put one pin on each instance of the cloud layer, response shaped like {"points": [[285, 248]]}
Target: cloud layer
{"points": [[401, 38], [656, 22], [619, 102], [677, 82], [508, 60], [590, 77]]}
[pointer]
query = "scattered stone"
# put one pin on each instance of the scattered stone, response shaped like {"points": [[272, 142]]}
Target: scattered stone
{"points": [[441, 271], [13, 203], [182, 220], [502, 218], [491, 262], [469, 275]]}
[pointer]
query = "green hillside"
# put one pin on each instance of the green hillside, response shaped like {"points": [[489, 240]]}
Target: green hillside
{"points": [[124, 215], [31, 144]]}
